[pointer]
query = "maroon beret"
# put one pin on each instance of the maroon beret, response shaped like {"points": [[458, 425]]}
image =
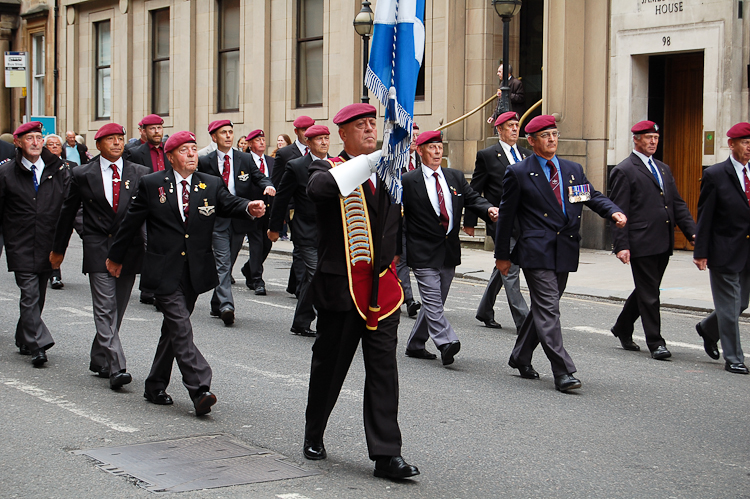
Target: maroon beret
{"points": [[177, 139], [255, 133], [151, 119], [431, 136], [739, 131], [354, 111], [539, 123], [303, 122], [29, 126], [109, 129], [414, 126], [645, 127], [510, 115], [317, 130], [215, 125]]}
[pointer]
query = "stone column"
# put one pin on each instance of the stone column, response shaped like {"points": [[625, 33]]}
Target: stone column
{"points": [[7, 25]]}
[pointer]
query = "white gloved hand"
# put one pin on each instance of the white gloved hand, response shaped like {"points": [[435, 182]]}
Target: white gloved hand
{"points": [[350, 175], [373, 159]]}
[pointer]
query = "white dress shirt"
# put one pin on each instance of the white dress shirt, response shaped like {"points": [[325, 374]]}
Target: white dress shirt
{"points": [[740, 169], [302, 147], [221, 155], [107, 176], [256, 158], [178, 179], [39, 167], [429, 181], [506, 150], [645, 160]]}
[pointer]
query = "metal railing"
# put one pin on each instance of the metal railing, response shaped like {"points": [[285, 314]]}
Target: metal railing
{"points": [[484, 104]]}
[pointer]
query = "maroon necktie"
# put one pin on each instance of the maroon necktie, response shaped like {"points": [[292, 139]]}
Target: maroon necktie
{"points": [[411, 163], [372, 185], [444, 220], [747, 185], [157, 154], [262, 166], [185, 199], [307, 150], [225, 172], [554, 181], [115, 187]]}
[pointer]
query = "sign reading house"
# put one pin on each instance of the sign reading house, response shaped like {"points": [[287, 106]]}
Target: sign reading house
{"points": [[661, 6]]}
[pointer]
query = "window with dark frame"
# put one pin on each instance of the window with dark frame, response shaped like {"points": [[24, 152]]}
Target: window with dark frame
{"points": [[38, 63], [103, 83], [160, 62], [229, 55], [309, 82]]}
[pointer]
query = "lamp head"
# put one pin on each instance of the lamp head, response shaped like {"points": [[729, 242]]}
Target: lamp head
{"points": [[364, 20], [506, 8]]}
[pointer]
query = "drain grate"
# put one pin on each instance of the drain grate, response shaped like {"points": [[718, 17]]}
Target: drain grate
{"points": [[194, 463]]}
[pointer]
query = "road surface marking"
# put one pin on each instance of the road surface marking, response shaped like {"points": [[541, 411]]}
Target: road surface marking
{"points": [[587, 329]]}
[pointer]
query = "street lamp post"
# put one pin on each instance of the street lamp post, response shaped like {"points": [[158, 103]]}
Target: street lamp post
{"points": [[363, 23], [506, 9]]}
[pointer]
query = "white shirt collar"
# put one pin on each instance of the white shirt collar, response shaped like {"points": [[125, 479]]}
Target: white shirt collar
{"points": [[256, 157], [300, 146], [643, 157], [314, 157], [104, 163], [221, 155], [178, 178], [39, 163], [428, 172]]}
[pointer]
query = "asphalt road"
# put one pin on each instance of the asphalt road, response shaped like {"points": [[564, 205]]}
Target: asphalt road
{"points": [[637, 428]]}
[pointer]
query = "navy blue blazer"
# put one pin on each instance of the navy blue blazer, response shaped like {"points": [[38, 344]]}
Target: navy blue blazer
{"points": [[548, 238]]}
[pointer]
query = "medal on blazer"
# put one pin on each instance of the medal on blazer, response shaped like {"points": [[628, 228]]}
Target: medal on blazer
{"points": [[243, 176], [162, 195], [206, 210], [127, 184], [579, 193], [359, 264]]}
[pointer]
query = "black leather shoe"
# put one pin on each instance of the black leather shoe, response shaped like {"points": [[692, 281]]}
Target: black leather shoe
{"points": [[315, 451], [215, 313], [227, 316], [148, 298], [412, 307], [38, 357], [394, 467], [203, 403], [661, 353], [448, 351], [711, 348], [302, 331], [421, 354], [566, 382], [24, 350], [260, 291], [736, 368], [118, 379], [526, 372], [159, 398], [56, 283], [629, 344], [492, 323], [232, 280]]}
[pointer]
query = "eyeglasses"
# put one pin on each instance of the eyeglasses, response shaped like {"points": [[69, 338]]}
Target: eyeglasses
{"points": [[546, 135]]}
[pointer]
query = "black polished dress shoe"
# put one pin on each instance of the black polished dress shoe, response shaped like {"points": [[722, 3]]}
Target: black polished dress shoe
{"points": [[118, 379], [527, 372], [711, 348], [661, 353], [302, 331], [227, 316], [203, 402], [448, 351], [492, 323], [232, 280], [260, 291], [38, 357], [629, 344], [24, 350], [412, 307], [56, 283], [421, 354], [736, 368], [215, 313], [315, 451], [148, 298], [565, 382], [394, 467], [159, 398]]}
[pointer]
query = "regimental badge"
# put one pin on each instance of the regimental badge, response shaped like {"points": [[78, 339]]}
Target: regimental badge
{"points": [[163, 195], [127, 184], [202, 185], [206, 210], [453, 190], [171, 188], [243, 176], [579, 193], [196, 189]]}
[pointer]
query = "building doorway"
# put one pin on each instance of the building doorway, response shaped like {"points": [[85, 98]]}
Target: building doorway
{"points": [[675, 100]]}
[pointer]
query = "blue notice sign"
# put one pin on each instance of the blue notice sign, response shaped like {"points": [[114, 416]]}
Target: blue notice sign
{"points": [[49, 124]]}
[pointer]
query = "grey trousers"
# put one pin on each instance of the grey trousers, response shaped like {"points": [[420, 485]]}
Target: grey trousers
{"points": [[434, 285], [542, 325], [305, 313], [109, 297], [402, 271], [227, 244], [731, 294], [30, 329], [518, 308], [176, 343]]}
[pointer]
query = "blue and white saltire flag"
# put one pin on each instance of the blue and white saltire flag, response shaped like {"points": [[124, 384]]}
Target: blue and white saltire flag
{"points": [[395, 59]]}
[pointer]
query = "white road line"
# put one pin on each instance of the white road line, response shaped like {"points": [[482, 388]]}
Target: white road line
{"points": [[271, 304], [290, 380], [587, 329], [291, 496], [75, 311], [64, 404]]}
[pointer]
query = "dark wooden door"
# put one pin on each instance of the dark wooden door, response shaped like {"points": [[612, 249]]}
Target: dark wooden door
{"points": [[683, 129]]}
